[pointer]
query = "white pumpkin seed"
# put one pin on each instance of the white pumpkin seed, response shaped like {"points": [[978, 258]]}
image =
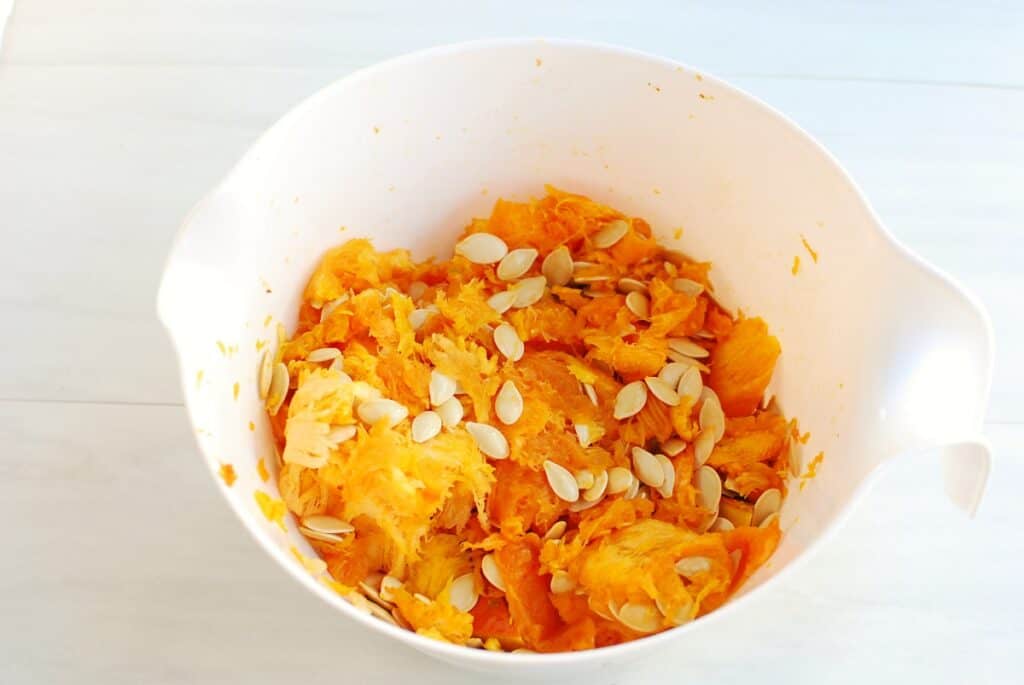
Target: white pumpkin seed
{"points": [[634, 488], [582, 505], [702, 447], [687, 348], [767, 504], [704, 334], [591, 393], [795, 457], [417, 289], [340, 434], [585, 479], [388, 585], [482, 248], [632, 285], [685, 285], [690, 384], [689, 361], [611, 234], [630, 400], [450, 412], [586, 435], [508, 343], [643, 618], [489, 439], [266, 374], [323, 354], [769, 520], [581, 265], [503, 301], [638, 304], [688, 567], [278, 388], [489, 567], [562, 482], [529, 291], [562, 582], [712, 418], [508, 405], [647, 468], [516, 263], [375, 411], [441, 388], [426, 426], [673, 447], [669, 469], [672, 372], [596, 491], [709, 487], [557, 266], [322, 537], [328, 309], [721, 305], [662, 390], [721, 525], [462, 593], [419, 317], [338, 365], [556, 531], [619, 480], [680, 616], [322, 523]]}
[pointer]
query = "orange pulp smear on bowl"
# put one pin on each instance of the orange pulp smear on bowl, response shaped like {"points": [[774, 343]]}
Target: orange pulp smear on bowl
{"points": [[552, 441]]}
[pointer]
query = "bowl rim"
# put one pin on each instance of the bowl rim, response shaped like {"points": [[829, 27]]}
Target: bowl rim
{"points": [[483, 658]]}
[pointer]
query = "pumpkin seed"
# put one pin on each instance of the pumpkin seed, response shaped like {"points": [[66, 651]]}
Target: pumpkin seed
{"points": [[672, 372], [426, 426], [529, 291], [338, 365], [767, 504], [712, 418], [322, 523], [585, 479], [647, 468], [508, 405], [691, 566], [690, 383], [685, 285], [557, 266], [769, 520], [450, 412], [489, 567], [562, 482], [704, 334], [721, 305], [417, 289], [562, 582], [673, 447], [556, 531], [266, 374], [502, 302], [681, 615], [516, 263], [340, 434], [596, 491], [582, 505], [669, 469], [375, 411], [687, 348], [508, 343], [591, 393], [388, 585], [643, 618], [489, 439], [482, 248], [619, 480], [702, 447], [441, 388], [634, 488], [278, 389], [328, 309], [638, 304], [583, 434], [322, 537], [462, 593], [794, 456], [689, 361], [419, 317], [611, 234], [630, 400], [632, 285], [475, 643], [662, 390], [721, 525], [323, 354], [709, 486]]}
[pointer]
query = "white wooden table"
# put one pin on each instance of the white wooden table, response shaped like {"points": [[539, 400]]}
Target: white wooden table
{"points": [[120, 562]]}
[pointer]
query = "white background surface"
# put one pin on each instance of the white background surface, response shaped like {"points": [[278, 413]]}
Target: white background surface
{"points": [[121, 564]]}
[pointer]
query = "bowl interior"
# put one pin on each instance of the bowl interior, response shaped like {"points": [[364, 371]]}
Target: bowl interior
{"points": [[407, 152]]}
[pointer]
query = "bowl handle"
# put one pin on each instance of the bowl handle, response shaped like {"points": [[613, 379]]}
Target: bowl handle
{"points": [[936, 375]]}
